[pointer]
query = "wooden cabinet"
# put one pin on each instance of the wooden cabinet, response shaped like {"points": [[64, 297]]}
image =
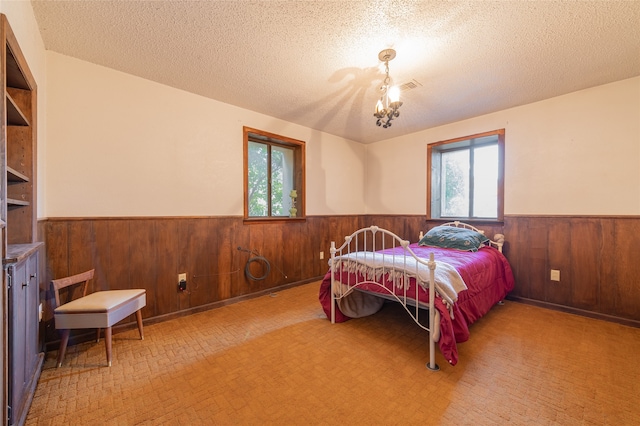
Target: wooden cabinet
{"points": [[25, 359], [22, 359]]}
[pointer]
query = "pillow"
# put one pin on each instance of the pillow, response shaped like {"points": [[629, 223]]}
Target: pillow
{"points": [[455, 238]]}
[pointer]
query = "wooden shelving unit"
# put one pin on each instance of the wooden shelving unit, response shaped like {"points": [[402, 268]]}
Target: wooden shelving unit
{"points": [[22, 358]]}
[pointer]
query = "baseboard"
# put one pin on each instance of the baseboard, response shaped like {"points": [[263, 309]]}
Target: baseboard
{"points": [[221, 303], [576, 311]]}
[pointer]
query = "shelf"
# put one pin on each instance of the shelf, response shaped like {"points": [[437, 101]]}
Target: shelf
{"points": [[14, 176], [15, 77], [12, 202], [15, 117]]}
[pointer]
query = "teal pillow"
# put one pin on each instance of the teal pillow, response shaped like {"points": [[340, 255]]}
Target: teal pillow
{"points": [[455, 238]]}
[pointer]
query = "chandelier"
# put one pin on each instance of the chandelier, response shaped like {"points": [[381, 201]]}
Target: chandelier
{"points": [[389, 103]]}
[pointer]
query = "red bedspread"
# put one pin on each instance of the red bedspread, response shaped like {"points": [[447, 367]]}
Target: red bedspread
{"points": [[488, 277]]}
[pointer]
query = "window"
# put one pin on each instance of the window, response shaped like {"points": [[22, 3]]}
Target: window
{"points": [[466, 179], [273, 168]]}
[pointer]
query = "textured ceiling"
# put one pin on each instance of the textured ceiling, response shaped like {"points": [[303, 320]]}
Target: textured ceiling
{"points": [[315, 63]]}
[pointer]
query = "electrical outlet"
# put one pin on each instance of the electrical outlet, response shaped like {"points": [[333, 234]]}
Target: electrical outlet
{"points": [[182, 281], [555, 275], [321, 255]]}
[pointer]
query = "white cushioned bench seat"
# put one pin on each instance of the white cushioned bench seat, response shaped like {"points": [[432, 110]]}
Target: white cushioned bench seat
{"points": [[99, 310]]}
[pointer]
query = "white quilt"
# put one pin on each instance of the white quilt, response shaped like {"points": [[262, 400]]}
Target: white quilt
{"points": [[372, 265]]}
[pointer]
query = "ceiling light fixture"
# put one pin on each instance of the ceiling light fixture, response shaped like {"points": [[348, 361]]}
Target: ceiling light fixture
{"points": [[389, 103]]}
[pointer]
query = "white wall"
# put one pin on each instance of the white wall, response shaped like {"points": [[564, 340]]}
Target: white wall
{"points": [[577, 154], [24, 25], [119, 145], [111, 144]]}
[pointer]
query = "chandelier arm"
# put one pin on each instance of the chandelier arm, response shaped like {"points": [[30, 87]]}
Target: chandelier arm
{"points": [[386, 110]]}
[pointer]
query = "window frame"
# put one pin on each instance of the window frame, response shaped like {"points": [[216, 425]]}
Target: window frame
{"points": [[298, 147], [449, 145]]}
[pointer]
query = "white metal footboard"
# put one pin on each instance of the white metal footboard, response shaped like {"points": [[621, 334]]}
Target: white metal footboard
{"points": [[358, 254]]}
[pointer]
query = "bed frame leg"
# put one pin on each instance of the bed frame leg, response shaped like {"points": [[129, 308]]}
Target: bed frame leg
{"points": [[434, 368], [333, 296], [432, 313], [431, 365], [333, 308]]}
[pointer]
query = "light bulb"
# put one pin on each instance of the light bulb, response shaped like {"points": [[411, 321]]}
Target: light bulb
{"points": [[394, 94], [379, 107]]}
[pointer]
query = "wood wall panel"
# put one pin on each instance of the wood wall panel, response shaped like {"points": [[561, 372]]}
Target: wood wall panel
{"points": [[626, 284], [276, 252], [165, 261], [536, 258], [239, 237], [99, 251], [595, 256], [514, 232], [80, 243], [256, 243], [586, 240], [608, 262], [142, 271], [56, 239], [225, 262], [190, 242], [558, 244], [598, 272]]}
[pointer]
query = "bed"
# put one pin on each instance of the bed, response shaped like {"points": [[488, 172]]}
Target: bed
{"points": [[446, 281]]}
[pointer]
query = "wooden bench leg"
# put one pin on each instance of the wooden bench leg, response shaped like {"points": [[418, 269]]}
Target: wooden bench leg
{"points": [[63, 346], [139, 320], [107, 342]]}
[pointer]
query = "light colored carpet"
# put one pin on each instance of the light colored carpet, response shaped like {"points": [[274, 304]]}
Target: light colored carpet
{"points": [[278, 360]]}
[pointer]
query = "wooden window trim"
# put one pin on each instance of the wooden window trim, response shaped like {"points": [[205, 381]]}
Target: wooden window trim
{"points": [[299, 178], [501, 157]]}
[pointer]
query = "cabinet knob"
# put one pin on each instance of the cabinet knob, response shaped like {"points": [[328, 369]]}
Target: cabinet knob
{"points": [[33, 276], [25, 284]]}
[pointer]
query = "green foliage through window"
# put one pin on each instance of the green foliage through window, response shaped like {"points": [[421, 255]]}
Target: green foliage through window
{"points": [[273, 169], [466, 177]]}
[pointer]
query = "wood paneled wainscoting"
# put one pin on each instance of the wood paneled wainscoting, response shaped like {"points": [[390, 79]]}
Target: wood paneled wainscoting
{"points": [[599, 268], [150, 252], [598, 275]]}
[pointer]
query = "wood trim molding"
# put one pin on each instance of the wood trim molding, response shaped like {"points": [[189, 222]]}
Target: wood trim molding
{"points": [[571, 216], [575, 311]]}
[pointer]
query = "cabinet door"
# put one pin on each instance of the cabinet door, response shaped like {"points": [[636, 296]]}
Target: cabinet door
{"points": [[17, 336], [32, 297], [24, 359]]}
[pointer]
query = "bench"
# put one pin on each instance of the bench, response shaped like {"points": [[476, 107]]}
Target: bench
{"points": [[99, 310]]}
